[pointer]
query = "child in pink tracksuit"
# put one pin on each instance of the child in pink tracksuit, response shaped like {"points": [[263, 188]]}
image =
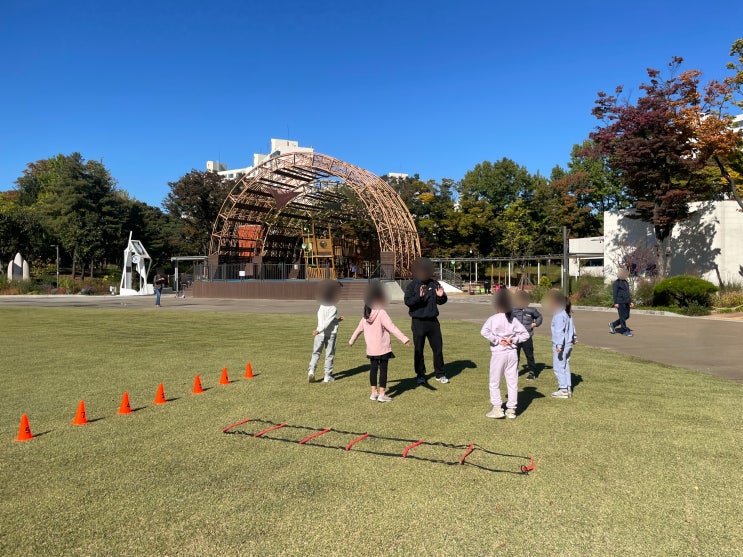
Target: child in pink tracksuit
{"points": [[376, 326], [505, 334]]}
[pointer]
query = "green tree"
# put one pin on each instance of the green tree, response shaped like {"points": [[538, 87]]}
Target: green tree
{"points": [[516, 230], [196, 199], [76, 203]]}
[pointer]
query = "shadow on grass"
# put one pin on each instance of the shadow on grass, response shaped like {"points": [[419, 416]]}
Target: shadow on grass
{"points": [[527, 396], [452, 369], [576, 380], [350, 372], [538, 369], [401, 386], [35, 435]]}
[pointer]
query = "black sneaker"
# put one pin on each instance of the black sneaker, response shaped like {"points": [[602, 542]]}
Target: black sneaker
{"points": [[421, 379], [612, 329], [531, 376]]}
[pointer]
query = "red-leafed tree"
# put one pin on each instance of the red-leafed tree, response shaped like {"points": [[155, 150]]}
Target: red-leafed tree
{"points": [[656, 148]]}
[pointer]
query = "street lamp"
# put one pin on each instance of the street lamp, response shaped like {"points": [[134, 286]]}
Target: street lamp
{"points": [[57, 246], [565, 256]]}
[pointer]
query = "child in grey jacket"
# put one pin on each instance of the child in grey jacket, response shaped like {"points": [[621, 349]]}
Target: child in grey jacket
{"points": [[530, 318]]}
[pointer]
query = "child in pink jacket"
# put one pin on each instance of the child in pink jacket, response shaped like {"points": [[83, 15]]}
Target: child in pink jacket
{"points": [[505, 334], [376, 326]]}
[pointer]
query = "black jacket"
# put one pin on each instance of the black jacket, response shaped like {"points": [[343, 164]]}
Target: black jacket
{"points": [[527, 316], [426, 306], [621, 292]]}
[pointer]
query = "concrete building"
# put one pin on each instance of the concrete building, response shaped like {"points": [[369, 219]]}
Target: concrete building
{"points": [[586, 256], [707, 244], [278, 147]]}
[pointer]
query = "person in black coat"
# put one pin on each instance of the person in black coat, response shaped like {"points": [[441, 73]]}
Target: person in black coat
{"points": [[423, 296], [623, 303]]}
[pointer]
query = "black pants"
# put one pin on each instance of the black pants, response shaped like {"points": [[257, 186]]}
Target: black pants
{"points": [[528, 347], [428, 329], [623, 311], [381, 364]]}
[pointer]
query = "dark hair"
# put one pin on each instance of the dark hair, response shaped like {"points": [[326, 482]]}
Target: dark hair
{"points": [[422, 265], [374, 293], [523, 295], [503, 304], [568, 307], [329, 290]]}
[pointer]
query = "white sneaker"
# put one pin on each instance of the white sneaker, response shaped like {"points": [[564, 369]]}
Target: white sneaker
{"points": [[328, 379], [384, 398], [511, 413], [497, 413], [374, 396], [311, 377], [562, 393], [442, 379]]}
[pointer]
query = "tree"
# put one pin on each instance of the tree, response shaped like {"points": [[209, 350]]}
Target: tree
{"points": [[516, 229], [653, 148], [196, 200], [76, 203]]}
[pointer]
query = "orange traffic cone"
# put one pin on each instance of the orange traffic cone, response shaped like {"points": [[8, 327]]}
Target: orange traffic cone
{"points": [[197, 390], [80, 417], [249, 371], [224, 380], [125, 408], [24, 432], [160, 396]]}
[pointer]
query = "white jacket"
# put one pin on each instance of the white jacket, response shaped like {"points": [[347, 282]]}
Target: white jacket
{"points": [[327, 320]]}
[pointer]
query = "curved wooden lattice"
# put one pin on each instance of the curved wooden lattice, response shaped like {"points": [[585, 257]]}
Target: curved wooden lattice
{"points": [[280, 197]]}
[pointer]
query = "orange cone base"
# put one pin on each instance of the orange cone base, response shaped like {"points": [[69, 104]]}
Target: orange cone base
{"points": [[197, 389], [224, 380], [249, 371]]}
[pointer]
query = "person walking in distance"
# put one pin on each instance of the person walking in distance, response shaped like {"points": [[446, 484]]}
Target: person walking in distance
{"points": [[423, 296], [623, 303], [158, 282]]}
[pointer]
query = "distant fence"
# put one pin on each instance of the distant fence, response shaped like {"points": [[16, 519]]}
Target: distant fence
{"points": [[284, 271]]}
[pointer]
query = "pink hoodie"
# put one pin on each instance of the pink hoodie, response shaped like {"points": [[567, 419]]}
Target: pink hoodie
{"points": [[377, 329]]}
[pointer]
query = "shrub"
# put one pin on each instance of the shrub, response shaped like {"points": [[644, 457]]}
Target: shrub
{"points": [[684, 291], [644, 292], [729, 300], [545, 282], [538, 294], [592, 291]]}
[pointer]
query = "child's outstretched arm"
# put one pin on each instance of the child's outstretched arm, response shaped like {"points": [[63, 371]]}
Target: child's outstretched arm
{"points": [[390, 326], [520, 334], [357, 332]]}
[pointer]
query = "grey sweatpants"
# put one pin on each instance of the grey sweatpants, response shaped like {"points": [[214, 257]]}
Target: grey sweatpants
{"points": [[327, 342]]}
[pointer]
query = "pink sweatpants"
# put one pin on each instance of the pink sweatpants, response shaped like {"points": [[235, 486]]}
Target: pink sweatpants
{"points": [[504, 363]]}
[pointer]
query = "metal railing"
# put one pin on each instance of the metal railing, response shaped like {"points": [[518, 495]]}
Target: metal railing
{"points": [[280, 271]]}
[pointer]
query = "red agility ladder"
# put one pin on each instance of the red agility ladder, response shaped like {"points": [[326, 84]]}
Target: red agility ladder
{"points": [[229, 427], [261, 433], [352, 443], [467, 453], [407, 449], [529, 467], [318, 434]]}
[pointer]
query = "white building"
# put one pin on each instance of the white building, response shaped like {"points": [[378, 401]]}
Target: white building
{"points": [[707, 244], [397, 175], [278, 147], [586, 256]]}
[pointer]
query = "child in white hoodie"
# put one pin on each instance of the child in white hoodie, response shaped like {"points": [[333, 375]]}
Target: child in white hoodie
{"points": [[376, 326], [326, 331], [505, 334]]}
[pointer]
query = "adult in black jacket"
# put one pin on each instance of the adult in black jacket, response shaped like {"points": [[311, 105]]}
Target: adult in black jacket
{"points": [[623, 303], [423, 296]]}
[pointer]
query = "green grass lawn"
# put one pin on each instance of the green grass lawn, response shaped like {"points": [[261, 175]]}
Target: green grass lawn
{"points": [[644, 460]]}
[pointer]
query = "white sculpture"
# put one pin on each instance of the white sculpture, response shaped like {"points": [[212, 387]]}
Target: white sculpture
{"points": [[136, 259], [18, 269]]}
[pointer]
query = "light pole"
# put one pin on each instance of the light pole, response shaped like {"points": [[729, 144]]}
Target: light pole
{"points": [[57, 246], [565, 279]]}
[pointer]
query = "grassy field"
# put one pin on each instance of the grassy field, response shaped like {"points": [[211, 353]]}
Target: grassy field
{"points": [[644, 460]]}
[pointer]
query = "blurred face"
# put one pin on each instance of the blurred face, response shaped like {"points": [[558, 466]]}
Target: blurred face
{"points": [[521, 302], [622, 274]]}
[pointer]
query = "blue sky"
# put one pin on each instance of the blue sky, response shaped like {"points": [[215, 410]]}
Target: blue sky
{"points": [[157, 88]]}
